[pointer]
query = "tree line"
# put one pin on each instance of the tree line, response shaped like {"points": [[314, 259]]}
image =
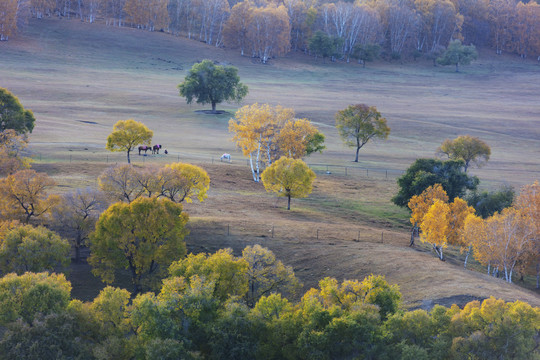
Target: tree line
{"points": [[270, 28], [221, 306]]}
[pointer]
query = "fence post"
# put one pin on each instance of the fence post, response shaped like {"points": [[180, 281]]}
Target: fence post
{"points": [[317, 234], [382, 237], [358, 237], [228, 229], [272, 231], [386, 174], [367, 172]]}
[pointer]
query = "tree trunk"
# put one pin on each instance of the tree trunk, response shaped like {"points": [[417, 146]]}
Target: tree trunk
{"points": [[412, 236], [289, 202], [538, 275], [129, 160], [467, 257], [457, 67], [357, 150], [214, 107]]}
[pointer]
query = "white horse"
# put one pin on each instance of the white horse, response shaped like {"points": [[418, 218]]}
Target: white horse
{"points": [[225, 157]]}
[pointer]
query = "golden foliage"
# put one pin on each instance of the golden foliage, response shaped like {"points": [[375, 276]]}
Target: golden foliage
{"points": [[23, 195]]}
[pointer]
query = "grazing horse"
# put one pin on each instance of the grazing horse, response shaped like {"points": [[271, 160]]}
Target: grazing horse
{"points": [[155, 149], [144, 148], [225, 157]]}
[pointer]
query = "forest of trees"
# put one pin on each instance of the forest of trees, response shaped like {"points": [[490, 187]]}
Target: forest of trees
{"points": [[270, 28]]}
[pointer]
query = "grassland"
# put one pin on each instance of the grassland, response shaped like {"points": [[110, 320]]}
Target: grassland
{"points": [[79, 79]]}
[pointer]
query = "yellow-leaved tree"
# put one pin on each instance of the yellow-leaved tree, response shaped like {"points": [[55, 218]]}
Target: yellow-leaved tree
{"points": [[11, 145], [434, 227], [23, 195], [144, 236], [459, 211], [263, 131], [127, 134], [466, 148], [420, 204], [183, 182], [289, 178], [502, 240]]}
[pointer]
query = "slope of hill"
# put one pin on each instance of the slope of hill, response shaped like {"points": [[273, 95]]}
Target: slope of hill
{"points": [[79, 79]]}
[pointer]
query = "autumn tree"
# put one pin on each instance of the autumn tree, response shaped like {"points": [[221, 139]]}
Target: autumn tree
{"points": [[289, 178], [23, 195], [269, 32], [466, 148], [35, 249], [427, 172], [525, 28], [76, 214], [13, 115], [127, 134], [24, 296], [227, 272], [144, 237], [458, 54], [208, 83], [528, 203], [420, 204], [119, 183], [266, 274], [8, 18], [184, 182], [255, 128], [149, 15], [358, 124], [501, 240], [298, 138], [11, 145], [236, 28]]}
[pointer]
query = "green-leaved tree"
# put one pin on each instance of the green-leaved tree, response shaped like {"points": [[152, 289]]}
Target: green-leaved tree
{"points": [[212, 84], [13, 115], [358, 124], [144, 236], [457, 54]]}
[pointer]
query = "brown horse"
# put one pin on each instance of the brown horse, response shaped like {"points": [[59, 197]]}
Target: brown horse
{"points": [[144, 148], [155, 149]]}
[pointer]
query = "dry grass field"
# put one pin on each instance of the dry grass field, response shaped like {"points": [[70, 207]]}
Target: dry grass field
{"points": [[79, 79]]}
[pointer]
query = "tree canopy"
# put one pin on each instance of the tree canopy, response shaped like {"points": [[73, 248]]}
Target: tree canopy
{"points": [[23, 195], [427, 172], [145, 237], [458, 54], [27, 248], [289, 178], [358, 124], [466, 148], [13, 115], [212, 84], [127, 134]]}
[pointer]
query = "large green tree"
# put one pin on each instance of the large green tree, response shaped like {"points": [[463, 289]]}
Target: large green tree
{"points": [[144, 236], [13, 115], [289, 178], [212, 84], [127, 134], [424, 173], [457, 54], [358, 124]]}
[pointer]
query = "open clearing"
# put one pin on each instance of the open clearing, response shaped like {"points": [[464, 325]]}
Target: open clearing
{"points": [[79, 79]]}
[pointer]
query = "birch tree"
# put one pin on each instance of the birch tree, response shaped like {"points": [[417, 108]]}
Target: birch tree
{"points": [[269, 32], [235, 31], [420, 204], [8, 18]]}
